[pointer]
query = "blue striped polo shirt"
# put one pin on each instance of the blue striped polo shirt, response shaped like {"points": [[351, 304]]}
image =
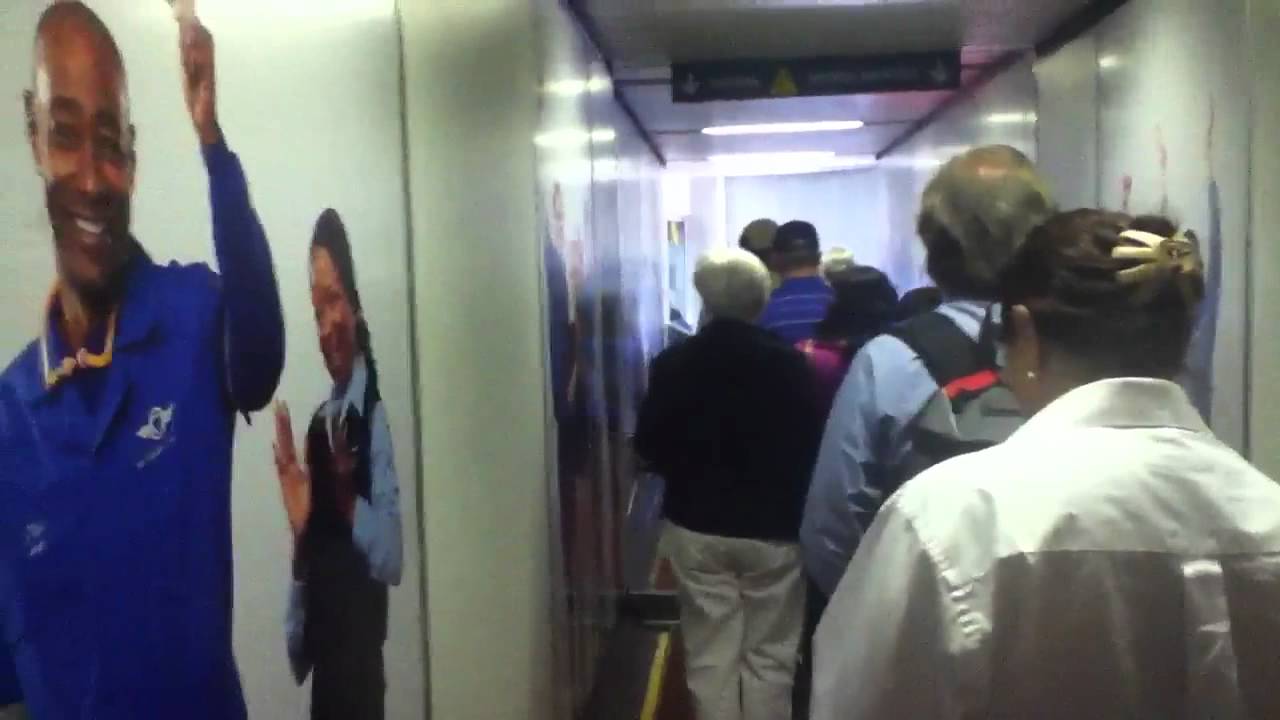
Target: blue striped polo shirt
{"points": [[796, 308]]}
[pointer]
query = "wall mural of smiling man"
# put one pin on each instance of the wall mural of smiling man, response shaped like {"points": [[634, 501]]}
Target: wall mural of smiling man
{"points": [[117, 421]]}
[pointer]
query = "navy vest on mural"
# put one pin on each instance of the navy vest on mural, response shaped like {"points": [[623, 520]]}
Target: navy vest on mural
{"points": [[346, 620]]}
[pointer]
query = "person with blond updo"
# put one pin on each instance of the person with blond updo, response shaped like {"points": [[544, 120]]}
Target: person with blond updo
{"points": [[1112, 559]]}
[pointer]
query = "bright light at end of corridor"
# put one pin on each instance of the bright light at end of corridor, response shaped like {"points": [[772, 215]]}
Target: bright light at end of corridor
{"points": [[785, 163], [575, 137], [785, 128]]}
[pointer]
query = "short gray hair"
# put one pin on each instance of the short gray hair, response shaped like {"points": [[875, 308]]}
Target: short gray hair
{"points": [[976, 213], [733, 283], [837, 260]]}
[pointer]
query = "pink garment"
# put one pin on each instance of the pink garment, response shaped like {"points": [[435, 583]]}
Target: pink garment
{"points": [[829, 364]]}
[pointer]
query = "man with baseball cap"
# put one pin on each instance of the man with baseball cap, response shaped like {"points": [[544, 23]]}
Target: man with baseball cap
{"points": [[800, 302]]}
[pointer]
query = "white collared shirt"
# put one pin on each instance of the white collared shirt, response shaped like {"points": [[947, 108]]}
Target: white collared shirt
{"points": [[349, 398], [1111, 560]]}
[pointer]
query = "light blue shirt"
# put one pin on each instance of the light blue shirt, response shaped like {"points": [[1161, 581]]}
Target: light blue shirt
{"points": [[866, 437], [376, 530]]}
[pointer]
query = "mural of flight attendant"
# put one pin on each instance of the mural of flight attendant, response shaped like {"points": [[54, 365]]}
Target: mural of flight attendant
{"points": [[563, 346], [343, 504], [117, 422]]}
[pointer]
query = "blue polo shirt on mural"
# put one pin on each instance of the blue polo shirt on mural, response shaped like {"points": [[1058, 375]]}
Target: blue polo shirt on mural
{"points": [[796, 308], [115, 485]]}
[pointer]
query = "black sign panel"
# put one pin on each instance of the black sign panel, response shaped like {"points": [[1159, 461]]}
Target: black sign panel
{"points": [[758, 79]]}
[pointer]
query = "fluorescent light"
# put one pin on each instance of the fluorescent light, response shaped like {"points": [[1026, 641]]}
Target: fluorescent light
{"points": [[603, 135], [573, 87], [562, 138], [1107, 62], [1011, 118], [784, 128], [773, 157]]}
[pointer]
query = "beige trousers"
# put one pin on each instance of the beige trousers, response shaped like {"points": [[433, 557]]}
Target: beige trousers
{"points": [[741, 612]]}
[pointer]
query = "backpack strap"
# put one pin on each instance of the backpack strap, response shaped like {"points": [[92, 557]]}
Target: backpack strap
{"points": [[947, 352]]}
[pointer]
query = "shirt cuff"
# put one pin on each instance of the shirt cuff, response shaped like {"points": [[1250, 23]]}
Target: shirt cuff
{"points": [[217, 154], [295, 617], [297, 604]]}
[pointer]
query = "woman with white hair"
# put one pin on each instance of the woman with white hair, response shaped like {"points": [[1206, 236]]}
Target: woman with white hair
{"points": [[732, 424]]}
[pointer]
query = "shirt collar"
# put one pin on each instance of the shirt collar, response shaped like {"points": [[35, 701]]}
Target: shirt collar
{"points": [[352, 396], [1120, 403], [129, 324], [808, 284]]}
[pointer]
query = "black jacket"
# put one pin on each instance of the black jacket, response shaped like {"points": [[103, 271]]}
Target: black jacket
{"points": [[732, 422], [346, 621]]}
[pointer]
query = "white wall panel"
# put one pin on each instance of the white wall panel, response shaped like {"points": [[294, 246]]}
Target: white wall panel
{"points": [[1264, 60], [847, 208], [472, 114], [1067, 122]]}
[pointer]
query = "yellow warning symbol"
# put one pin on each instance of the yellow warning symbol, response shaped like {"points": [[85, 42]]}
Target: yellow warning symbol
{"points": [[784, 85]]}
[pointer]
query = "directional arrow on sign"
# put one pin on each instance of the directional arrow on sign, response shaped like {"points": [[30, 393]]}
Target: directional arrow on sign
{"points": [[940, 73], [690, 85]]}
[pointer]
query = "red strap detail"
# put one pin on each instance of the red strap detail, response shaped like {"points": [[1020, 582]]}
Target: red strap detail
{"points": [[972, 383]]}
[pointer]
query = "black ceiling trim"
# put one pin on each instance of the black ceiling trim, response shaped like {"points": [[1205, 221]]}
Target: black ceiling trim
{"points": [[1077, 24], [986, 75], [666, 81], [592, 31]]}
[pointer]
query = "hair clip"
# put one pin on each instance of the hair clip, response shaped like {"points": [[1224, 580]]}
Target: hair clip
{"points": [[1156, 255]]}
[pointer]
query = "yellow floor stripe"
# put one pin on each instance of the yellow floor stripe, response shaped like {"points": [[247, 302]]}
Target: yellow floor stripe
{"points": [[658, 671]]}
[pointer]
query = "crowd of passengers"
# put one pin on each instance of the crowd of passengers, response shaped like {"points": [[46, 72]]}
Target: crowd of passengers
{"points": [[988, 499]]}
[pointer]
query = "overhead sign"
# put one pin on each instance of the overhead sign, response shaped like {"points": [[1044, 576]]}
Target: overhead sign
{"points": [[760, 79]]}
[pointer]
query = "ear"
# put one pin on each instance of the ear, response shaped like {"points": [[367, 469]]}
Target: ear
{"points": [[1023, 358], [1024, 350], [33, 129], [133, 155], [29, 108]]}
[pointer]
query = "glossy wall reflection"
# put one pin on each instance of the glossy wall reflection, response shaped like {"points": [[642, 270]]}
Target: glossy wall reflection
{"points": [[1169, 88], [603, 264]]}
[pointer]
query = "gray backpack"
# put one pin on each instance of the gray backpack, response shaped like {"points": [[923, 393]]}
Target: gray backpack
{"points": [[972, 410]]}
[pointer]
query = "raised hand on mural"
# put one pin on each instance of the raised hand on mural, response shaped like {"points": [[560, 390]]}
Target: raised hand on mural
{"points": [[295, 482], [199, 82], [344, 472], [1208, 145], [1162, 153]]}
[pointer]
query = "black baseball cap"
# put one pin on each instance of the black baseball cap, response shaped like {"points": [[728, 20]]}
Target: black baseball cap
{"points": [[795, 238]]}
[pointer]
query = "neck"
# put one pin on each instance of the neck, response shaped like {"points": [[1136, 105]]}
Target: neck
{"points": [[342, 385], [801, 273], [79, 318]]}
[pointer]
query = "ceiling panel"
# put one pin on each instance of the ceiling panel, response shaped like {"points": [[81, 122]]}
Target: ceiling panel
{"points": [[643, 37]]}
